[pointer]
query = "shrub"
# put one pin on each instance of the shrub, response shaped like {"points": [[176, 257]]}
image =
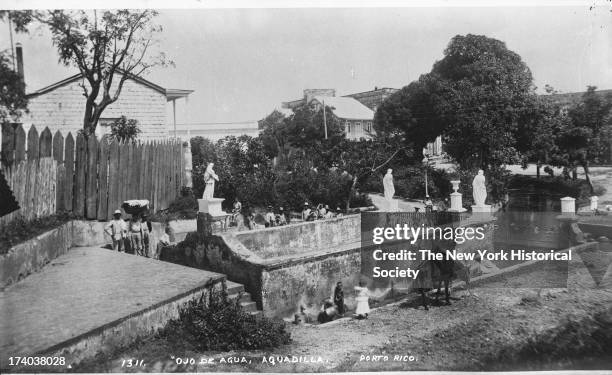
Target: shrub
{"points": [[124, 130], [218, 323], [182, 208], [409, 182]]}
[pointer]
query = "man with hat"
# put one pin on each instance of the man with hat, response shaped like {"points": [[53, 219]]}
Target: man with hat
{"points": [[116, 229], [306, 212], [281, 219], [270, 218]]}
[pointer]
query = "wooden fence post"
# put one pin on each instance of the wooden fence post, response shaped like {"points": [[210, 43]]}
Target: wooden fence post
{"points": [[32, 143], [45, 144], [91, 185], [113, 178], [80, 179], [69, 177], [8, 144], [58, 147], [20, 144], [102, 214]]}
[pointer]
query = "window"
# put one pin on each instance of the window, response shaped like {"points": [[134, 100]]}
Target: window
{"points": [[368, 127], [348, 128]]}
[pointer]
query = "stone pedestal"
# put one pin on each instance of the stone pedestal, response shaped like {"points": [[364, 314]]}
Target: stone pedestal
{"points": [[211, 206], [482, 209], [594, 200], [568, 205], [456, 202], [393, 205]]}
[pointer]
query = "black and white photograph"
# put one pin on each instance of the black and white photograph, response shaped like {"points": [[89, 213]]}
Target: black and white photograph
{"points": [[306, 186]]}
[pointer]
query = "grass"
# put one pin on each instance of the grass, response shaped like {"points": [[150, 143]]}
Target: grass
{"points": [[577, 343]]}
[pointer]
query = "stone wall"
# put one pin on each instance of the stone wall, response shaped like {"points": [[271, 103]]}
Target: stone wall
{"points": [[63, 109], [302, 238], [30, 256], [298, 265]]}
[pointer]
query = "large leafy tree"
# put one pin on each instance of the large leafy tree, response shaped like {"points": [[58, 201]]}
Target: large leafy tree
{"points": [[107, 47], [586, 135], [488, 86], [474, 97]]}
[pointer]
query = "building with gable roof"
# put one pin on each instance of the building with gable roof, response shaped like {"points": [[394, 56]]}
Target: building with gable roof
{"points": [[61, 106]]}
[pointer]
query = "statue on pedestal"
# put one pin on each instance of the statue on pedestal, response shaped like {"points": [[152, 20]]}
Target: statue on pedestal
{"points": [[388, 185], [479, 189], [209, 178]]}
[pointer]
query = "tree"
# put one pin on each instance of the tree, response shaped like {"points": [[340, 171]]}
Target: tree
{"points": [[410, 113], [361, 159], [584, 138], [125, 130], [107, 47], [12, 94], [274, 135], [306, 127]]}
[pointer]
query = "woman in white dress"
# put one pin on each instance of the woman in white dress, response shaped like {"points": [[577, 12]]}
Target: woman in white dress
{"points": [[363, 296]]}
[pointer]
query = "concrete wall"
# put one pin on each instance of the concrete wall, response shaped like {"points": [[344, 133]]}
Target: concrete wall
{"points": [[302, 238], [125, 331], [298, 265], [63, 109], [30, 256]]}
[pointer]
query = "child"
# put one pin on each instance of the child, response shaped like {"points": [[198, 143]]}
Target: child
{"points": [[363, 307]]}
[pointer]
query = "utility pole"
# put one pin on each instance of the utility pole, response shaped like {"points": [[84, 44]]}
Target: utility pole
{"points": [[324, 118]]}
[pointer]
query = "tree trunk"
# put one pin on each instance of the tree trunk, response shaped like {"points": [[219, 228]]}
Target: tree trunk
{"points": [[574, 173], [538, 166], [585, 166], [351, 192]]}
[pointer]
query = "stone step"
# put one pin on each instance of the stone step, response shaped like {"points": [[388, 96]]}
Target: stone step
{"points": [[249, 306], [233, 288], [235, 291], [244, 297]]}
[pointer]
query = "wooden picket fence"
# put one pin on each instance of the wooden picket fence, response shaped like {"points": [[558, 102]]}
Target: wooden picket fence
{"points": [[91, 177]]}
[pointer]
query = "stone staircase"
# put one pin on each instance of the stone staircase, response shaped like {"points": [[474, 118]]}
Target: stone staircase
{"points": [[235, 291]]}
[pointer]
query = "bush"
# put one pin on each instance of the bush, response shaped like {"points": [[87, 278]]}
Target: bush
{"points": [[409, 182], [182, 208], [556, 187], [220, 324]]}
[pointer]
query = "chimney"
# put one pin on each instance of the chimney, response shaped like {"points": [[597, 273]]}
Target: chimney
{"points": [[19, 51]]}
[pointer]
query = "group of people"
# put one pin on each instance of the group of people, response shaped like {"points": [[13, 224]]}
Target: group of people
{"points": [[336, 308], [321, 211], [131, 235]]}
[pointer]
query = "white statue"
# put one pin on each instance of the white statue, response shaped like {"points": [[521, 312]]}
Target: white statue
{"points": [[388, 185], [209, 178], [479, 189]]}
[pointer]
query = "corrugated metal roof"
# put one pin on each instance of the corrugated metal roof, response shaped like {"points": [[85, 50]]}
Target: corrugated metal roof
{"points": [[347, 108]]}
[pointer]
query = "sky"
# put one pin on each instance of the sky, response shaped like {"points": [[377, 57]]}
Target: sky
{"points": [[243, 63]]}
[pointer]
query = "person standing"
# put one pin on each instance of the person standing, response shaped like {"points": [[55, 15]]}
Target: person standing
{"points": [[339, 298], [116, 229], [362, 299], [270, 218], [306, 212], [281, 219], [136, 237]]}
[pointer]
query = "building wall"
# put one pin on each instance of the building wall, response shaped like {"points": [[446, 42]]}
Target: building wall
{"points": [[357, 129], [63, 109], [214, 132]]}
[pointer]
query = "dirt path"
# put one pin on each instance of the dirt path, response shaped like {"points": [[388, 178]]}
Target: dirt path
{"points": [[462, 336]]}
